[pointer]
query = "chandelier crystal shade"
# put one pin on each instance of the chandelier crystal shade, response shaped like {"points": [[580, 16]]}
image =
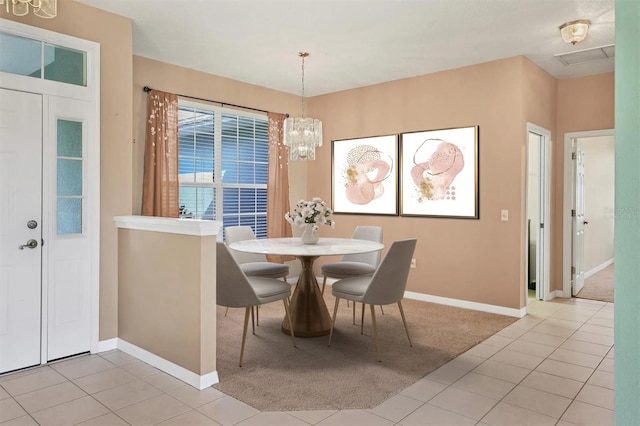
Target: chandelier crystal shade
{"points": [[574, 31], [41, 8], [302, 135]]}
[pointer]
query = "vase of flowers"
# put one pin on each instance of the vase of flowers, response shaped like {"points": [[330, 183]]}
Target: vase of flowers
{"points": [[310, 215], [310, 234]]}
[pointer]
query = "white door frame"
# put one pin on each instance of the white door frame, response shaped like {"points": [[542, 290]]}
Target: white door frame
{"points": [[569, 189], [91, 93], [543, 247]]}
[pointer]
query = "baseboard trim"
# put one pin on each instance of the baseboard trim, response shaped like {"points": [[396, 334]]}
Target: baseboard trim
{"points": [[187, 376], [475, 306], [557, 293], [108, 345], [598, 268]]}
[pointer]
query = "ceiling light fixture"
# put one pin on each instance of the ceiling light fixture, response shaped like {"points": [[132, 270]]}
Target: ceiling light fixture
{"points": [[574, 31], [41, 8], [302, 135]]}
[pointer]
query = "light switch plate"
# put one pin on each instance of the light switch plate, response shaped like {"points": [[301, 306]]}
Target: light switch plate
{"points": [[504, 215]]}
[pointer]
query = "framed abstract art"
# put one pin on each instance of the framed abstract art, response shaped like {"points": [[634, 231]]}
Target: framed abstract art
{"points": [[439, 173], [364, 175]]}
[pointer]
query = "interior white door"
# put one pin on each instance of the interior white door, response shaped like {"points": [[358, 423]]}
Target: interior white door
{"points": [[20, 228], [578, 224], [538, 208]]}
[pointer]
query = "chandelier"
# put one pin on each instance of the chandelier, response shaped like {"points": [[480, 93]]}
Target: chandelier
{"points": [[574, 31], [41, 8], [302, 135]]}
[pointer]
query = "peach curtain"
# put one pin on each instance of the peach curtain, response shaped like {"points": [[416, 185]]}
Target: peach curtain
{"points": [[160, 182], [277, 183]]}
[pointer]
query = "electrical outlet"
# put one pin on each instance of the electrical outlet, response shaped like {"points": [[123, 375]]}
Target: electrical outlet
{"points": [[504, 215], [413, 263]]}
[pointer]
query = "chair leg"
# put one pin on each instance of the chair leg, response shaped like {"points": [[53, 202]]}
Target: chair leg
{"points": [[333, 321], [354, 314], [244, 332], [375, 331], [381, 310], [226, 311], [284, 278], [257, 316], [288, 314], [361, 319], [404, 321], [253, 322], [324, 282]]}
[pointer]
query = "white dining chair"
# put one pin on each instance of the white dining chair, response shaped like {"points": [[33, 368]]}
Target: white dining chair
{"points": [[353, 265], [386, 286], [234, 289]]}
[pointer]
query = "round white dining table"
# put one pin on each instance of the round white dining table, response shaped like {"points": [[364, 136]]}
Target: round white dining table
{"points": [[309, 314]]}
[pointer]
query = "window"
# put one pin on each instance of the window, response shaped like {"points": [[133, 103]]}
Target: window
{"points": [[33, 58], [223, 157]]}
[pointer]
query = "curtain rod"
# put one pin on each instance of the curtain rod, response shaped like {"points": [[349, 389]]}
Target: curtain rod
{"points": [[148, 89]]}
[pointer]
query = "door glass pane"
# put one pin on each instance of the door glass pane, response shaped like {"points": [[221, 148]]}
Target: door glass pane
{"points": [[65, 65], [69, 138], [69, 177], [19, 55], [69, 215]]}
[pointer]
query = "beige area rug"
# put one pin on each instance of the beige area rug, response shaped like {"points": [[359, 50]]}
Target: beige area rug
{"points": [[277, 376], [599, 286]]}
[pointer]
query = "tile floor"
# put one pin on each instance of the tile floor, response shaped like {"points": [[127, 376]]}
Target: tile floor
{"points": [[552, 367]]}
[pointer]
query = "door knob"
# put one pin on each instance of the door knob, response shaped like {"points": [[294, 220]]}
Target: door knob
{"points": [[30, 244], [586, 223]]}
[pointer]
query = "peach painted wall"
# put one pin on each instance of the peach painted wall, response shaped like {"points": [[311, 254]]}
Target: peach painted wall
{"points": [[114, 35], [184, 81], [474, 260], [540, 91], [585, 103], [167, 296]]}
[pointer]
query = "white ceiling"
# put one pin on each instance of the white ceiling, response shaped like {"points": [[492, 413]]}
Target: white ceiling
{"points": [[356, 43]]}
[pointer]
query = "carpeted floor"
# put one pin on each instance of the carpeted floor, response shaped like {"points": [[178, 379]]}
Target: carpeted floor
{"points": [[599, 286], [313, 376]]}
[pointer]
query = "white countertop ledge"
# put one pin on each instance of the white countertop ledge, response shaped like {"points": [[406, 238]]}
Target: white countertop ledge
{"points": [[169, 225]]}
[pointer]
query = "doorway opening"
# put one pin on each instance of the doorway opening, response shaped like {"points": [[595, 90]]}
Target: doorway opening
{"points": [[588, 237]]}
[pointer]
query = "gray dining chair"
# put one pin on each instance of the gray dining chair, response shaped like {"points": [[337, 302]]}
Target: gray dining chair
{"points": [[353, 265], [386, 286], [253, 264], [234, 289]]}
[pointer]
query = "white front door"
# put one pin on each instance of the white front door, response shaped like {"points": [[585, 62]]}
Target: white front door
{"points": [[578, 224], [20, 228]]}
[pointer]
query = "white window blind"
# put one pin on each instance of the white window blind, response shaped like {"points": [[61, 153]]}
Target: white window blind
{"points": [[223, 156]]}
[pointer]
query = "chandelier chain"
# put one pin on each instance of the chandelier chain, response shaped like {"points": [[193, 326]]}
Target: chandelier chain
{"points": [[303, 55]]}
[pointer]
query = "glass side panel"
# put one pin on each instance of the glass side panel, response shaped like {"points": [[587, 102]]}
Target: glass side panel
{"points": [[69, 215], [19, 55], [69, 177], [69, 138], [65, 65]]}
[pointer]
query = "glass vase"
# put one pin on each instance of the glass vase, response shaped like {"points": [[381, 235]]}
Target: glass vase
{"points": [[310, 234]]}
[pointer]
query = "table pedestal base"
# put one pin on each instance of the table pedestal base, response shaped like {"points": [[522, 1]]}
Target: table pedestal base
{"points": [[309, 314]]}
